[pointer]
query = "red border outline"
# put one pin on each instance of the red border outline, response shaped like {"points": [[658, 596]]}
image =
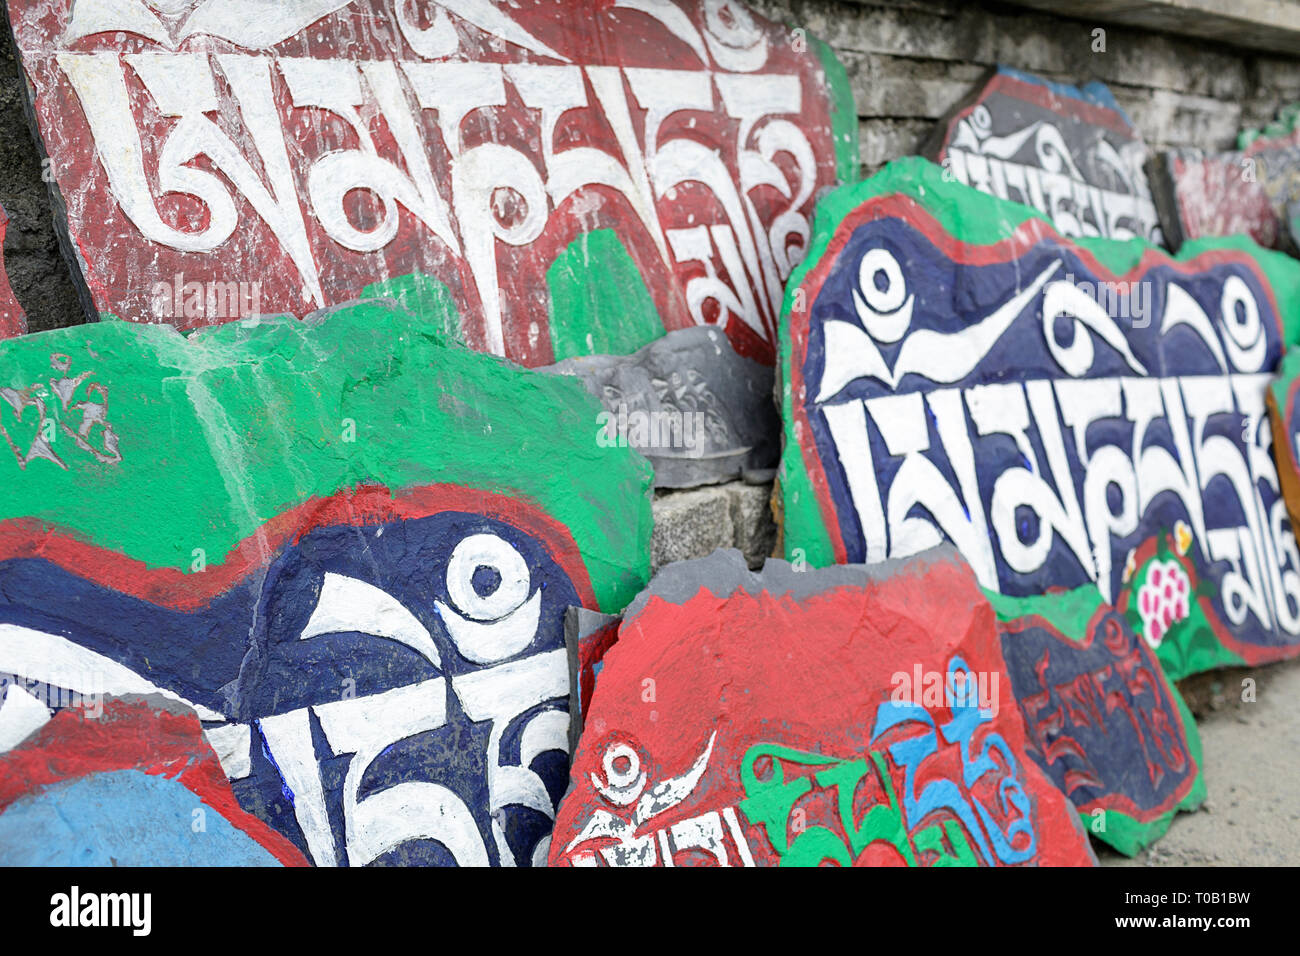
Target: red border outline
{"points": [[363, 505], [1044, 96]]}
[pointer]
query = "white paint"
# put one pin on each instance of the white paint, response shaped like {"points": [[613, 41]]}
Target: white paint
{"points": [[57, 661], [21, 715], [349, 605], [231, 743]]}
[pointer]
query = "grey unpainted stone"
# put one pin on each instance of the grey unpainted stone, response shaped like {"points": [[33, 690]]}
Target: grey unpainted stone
{"points": [[724, 572], [699, 411], [579, 622], [695, 523]]}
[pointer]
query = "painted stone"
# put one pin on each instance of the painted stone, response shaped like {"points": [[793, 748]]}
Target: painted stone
{"points": [[700, 412], [343, 543], [13, 321], [870, 725], [1065, 411], [1284, 419], [1101, 719], [1248, 192], [1070, 153], [125, 782], [544, 179]]}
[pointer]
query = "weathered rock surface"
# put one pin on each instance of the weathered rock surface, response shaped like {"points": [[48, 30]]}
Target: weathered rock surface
{"points": [[773, 719], [701, 413], [13, 321]]}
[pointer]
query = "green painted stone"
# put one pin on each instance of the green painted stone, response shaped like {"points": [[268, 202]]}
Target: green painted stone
{"points": [[220, 432], [346, 543]]}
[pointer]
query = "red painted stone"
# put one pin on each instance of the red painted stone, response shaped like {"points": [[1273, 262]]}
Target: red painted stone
{"points": [[800, 718], [1247, 192], [131, 735], [215, 162], [13, 321]]}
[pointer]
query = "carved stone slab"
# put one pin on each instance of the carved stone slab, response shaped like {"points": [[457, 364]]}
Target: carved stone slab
{"points": [[343, 542], [542, 179], [1070, 153], [1066, 412], [1248, 192], [701, 413], [853, 716], [1102, 720]]}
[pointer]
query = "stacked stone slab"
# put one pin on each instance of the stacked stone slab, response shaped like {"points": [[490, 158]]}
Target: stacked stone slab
{"points": [[541, 180]]}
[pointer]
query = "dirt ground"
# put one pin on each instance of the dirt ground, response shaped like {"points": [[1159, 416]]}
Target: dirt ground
{"points": [[1252, 771]]}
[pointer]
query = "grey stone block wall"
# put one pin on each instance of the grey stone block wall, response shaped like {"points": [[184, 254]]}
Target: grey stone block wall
{"points": [[910, 61]]}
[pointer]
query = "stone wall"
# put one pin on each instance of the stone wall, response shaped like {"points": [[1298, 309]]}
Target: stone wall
{"points": [[910, 61]]}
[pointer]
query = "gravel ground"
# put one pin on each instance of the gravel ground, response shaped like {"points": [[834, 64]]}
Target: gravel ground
{"points": [[1252, 771]]}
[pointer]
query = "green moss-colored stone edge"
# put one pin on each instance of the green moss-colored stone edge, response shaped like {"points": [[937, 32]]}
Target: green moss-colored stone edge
{"points": [[227, 429], [599, 304], [844, 113]]}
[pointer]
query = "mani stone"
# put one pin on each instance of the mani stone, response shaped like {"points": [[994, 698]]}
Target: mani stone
{"points": [[701, 413], [538, 180], [847, 716], [1101, 719], [1066, 412], [1070, 153], [124, 782], [342, 542], [1250, 192]]}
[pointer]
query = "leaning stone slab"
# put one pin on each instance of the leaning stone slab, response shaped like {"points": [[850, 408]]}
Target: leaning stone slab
{"points": [[1253, 190], [851, 716], [1065, 411], [701, 413], [1102, 720], [541, 180], [345, 543], [1070, 153], [1249, 193]]}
